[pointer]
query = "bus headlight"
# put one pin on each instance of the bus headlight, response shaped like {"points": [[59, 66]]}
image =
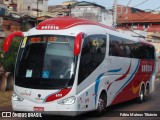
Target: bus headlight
{"points": [[15, 97], [67, 101]]}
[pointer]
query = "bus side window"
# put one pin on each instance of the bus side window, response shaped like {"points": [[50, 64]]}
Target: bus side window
{"points": [[92, 55], [151, 51], [128, 48], [141, 52], [116, 47]]}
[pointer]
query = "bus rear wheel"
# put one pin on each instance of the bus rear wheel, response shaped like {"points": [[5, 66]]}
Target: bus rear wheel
{"points": [[147, 93], [102, 103], [141, 97]]}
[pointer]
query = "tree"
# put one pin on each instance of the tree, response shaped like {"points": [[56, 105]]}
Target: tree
{"points": [[8, 59]]}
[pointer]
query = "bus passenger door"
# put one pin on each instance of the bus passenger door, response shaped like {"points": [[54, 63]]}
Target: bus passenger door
{"points": [[91, 71]]}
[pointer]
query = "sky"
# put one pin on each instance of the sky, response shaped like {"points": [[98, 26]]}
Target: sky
{"points": [[147, 5]]}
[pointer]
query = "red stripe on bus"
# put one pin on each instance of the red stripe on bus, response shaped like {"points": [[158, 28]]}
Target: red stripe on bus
{"points": [[60, 94]]}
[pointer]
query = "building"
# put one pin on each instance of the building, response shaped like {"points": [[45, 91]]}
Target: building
{"points": [[3, 9], [11, 5], [8, 25], [32, 7], [3, 12], [83, 9], [27, 7], [16, 15], [64, 9], [58, 10], [133, 20], [1, 1], [71, 2], [137, 19], [92, 11]]}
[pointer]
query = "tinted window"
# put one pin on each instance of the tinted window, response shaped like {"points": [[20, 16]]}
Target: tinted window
{"points": [[116, 47], [144, 51], [93, 53], [151, 52], [126, 48]]}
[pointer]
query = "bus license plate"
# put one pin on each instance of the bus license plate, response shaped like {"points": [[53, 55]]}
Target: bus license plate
{"points": [[38, 108]]}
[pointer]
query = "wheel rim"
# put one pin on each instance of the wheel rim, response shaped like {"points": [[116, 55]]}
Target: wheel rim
{"points": [[142, 95], [101, 105], [147, 93]]}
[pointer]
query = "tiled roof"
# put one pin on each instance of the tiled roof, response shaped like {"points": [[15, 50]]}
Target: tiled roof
{"points": [[139, 17]]}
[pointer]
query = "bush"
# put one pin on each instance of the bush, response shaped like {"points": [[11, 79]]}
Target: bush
{"points": [[8, 59]]}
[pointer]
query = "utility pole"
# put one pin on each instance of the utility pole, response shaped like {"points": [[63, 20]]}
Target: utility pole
{"points": [[37, 14], [115, 13], [37, 8], [70, 8]]}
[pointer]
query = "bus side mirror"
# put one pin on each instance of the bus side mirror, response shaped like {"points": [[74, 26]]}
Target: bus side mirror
{"points": [[77, 43], [9, 39]]}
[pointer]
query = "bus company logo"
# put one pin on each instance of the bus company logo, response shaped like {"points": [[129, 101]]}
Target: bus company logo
{"points": [[147, 68], [50, 27], [39, 95]]}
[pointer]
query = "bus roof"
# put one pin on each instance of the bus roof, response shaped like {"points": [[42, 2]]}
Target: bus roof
{"points": [[59, 23], [72, 26], [145, 42]]}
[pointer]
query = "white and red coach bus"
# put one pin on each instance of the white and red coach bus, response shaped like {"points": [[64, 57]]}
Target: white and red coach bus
{"points": [[71, 64]]}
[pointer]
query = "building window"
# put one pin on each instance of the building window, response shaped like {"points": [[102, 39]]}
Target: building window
{"points": [[2, 11], [134, 26], [146, 26]]}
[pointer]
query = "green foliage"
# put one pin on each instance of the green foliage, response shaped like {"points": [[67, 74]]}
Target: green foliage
{"points": [[8, 61]]}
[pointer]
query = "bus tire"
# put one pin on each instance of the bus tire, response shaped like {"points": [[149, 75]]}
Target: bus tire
{"points": [[102, 103], [141, 97], [147, 92]]}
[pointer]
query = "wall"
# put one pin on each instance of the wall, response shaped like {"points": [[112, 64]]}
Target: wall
{"points": [[29, 7], [93, 13], [3, 9]]}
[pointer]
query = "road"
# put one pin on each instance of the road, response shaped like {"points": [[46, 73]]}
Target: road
{"points": [[153, 104]]}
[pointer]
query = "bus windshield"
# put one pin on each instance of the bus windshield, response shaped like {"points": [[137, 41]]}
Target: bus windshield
{"points": [[46, 62]]}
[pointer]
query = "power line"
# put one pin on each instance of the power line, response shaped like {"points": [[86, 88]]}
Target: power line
{"points": [[143, 16], [141, 3], [125, 8], [155, 9], [137, 14], [133, 31]]}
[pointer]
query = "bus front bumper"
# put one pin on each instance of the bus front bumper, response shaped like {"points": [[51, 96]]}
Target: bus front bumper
{"points": [[45, 108]]}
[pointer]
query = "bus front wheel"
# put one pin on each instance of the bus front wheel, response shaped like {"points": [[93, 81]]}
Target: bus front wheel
{"points": [[102, 103]]}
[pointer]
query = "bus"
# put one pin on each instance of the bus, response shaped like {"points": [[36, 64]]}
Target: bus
{"points": [[76, 65]]}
